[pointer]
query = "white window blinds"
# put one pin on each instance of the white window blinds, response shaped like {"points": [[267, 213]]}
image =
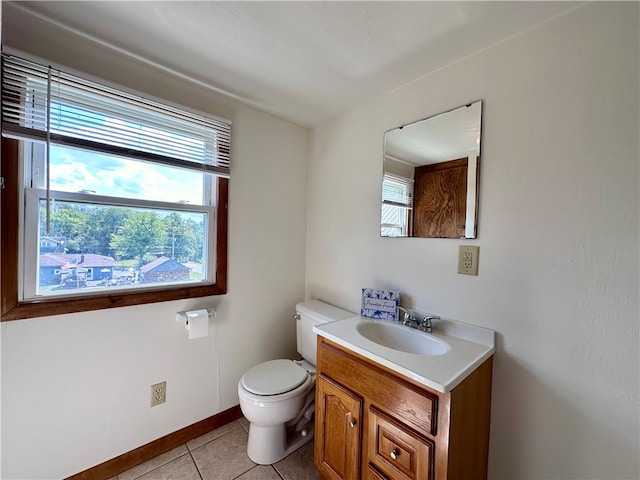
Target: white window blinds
{"points": [[89, 115], [397, 191]]}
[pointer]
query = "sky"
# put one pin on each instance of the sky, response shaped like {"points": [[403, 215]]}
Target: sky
{"points": [[74, 170]]}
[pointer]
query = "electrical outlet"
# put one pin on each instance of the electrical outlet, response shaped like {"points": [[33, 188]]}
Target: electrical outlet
{"points": [[158, 393], [468, 259]]}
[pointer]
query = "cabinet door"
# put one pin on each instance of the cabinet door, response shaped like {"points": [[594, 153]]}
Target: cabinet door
{"points": [[337, 442]]}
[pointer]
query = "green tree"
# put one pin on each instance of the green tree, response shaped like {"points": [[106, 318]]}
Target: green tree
{"points": [[104, 223], [140, 234], [197, 228], [67, 221], [180, 243]]}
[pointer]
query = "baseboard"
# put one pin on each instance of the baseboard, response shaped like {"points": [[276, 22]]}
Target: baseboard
{"points": [[139, 455]]}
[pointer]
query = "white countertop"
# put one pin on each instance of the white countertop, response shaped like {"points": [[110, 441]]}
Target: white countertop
{"points": [[469, 347]]}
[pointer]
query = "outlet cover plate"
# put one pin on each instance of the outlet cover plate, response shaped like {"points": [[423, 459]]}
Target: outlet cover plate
{"points": [[468, 259], [158, 393]]}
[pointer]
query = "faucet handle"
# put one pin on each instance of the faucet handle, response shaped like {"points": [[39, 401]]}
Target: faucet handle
{"points": [[407, 315], [419, 320], [425, 323]]}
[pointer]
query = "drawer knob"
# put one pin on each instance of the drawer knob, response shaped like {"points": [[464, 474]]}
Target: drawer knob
{"points": [[395, 453], [352, 424]]}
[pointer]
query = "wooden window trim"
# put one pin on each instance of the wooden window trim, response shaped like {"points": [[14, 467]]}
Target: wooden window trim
{"points": [[12, 309]]}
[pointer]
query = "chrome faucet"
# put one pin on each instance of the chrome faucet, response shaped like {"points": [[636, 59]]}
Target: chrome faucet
{"points": [[418, 320]]}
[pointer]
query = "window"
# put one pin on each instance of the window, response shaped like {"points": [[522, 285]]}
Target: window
{"points": [[121, 200], [397, 206]]}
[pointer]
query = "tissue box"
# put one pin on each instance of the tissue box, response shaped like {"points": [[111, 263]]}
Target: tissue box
{"points": [[380, 304]]}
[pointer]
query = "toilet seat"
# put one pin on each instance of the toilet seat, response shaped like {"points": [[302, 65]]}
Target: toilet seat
{"points": [[274, 377]]}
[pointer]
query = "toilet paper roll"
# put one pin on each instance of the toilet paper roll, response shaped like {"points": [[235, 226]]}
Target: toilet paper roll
{"points": [[197, 323]]}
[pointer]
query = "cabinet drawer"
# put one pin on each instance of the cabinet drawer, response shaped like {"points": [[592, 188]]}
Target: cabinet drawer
{"points": [[373, 474], [410, 404], [397, 451]]}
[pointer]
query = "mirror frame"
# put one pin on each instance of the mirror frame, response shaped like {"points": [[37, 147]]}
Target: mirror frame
{"points": [[441, 199]]}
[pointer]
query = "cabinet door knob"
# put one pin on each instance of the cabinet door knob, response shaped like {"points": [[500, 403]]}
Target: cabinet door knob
{"points": [[395, 453], [352, 424]]}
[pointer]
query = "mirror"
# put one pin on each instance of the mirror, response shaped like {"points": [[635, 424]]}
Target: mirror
{"points": [[431, 174]]}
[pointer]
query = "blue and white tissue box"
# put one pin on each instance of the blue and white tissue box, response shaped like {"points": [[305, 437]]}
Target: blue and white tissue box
{"points": [[380, 304]]}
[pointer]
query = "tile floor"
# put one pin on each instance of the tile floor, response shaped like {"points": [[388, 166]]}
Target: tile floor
{"points": [[222, 455]]}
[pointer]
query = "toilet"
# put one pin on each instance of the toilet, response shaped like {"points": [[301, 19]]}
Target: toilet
{"points": [[277, 397]]}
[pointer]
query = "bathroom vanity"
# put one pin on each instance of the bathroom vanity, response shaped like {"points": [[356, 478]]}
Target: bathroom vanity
{"points": [[379, 418]]}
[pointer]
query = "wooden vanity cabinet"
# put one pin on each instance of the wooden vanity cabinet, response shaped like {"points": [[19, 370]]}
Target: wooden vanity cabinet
{"points": [[375, 424]]}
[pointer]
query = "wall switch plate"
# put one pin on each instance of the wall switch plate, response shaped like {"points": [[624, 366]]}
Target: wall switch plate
{"points": [[468, 259], [158, 393]]}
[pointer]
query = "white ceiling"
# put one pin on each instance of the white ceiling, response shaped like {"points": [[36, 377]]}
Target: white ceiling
{"points": [[305, 61], [447, 136]]}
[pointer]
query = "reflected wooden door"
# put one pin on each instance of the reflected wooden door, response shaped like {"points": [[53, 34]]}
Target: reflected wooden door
{"points": [[440, 199]]}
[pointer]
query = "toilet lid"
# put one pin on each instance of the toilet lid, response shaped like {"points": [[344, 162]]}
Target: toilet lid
{"points": [[273, 377]]}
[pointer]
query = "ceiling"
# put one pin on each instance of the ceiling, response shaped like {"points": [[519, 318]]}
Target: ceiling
{"points": [[305, 61], [447, 136]]}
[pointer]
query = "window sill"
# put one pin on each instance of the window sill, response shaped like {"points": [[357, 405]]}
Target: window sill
{"points": [[48, 307]]}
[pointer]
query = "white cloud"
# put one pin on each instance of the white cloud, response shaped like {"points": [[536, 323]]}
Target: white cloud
{"points": [[73, 170]]}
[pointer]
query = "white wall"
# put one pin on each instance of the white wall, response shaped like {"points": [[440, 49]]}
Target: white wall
{"points": [[75, 388], [558, 235]]}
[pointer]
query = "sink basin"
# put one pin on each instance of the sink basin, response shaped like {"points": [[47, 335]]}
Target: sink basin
{"points": [[402, 338]]}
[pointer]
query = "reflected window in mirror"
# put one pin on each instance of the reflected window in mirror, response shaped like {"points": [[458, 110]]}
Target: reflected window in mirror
{"points": [[430, 176], [397, 206]]}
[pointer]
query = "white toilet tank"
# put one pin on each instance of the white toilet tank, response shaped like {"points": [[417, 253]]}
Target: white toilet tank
{"points": [[311, 313]]}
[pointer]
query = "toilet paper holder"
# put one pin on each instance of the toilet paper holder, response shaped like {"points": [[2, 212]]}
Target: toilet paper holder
{"points": [[184, 316]]}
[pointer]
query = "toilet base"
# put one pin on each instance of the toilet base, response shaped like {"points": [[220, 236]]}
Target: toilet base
{"points": [[270, 444]]}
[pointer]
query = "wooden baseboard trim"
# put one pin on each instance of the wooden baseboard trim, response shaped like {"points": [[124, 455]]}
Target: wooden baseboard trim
{"points": [[146, 452]]}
